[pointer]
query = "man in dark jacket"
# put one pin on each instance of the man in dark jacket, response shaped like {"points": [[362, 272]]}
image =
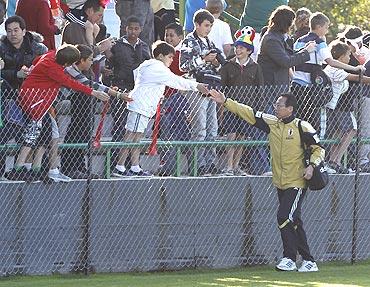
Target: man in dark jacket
{"points": [[18, 49]]}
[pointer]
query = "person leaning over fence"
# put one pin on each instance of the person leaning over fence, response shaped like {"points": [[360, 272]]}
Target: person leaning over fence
{"points": [[80, 127], [241, 76], [288, 169], [151, 78], [200, 59], [37, 94], [340, 110], [305, 87], [18, 48]]}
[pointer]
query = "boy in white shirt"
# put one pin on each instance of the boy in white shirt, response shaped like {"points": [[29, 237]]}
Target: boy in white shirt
{"points": [[151, 78], [341, 121], [220, 33]]}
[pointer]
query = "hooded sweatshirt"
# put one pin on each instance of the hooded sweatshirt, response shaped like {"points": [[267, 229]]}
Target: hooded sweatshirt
{"points": [[151, 78], [41, 87]]}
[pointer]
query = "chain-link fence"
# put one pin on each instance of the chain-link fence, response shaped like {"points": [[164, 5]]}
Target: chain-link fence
{"points": [[201, 194]]}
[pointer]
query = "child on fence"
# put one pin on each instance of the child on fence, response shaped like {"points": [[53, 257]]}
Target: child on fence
{"points": [[151, 77], [37, 94], [241, 77], [341, 120]]}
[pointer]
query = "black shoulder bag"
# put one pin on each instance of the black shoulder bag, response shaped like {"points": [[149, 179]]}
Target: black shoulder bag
{"points": [[320, 177]]}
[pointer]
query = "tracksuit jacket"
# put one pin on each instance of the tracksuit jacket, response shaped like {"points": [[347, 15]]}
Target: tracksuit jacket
{"points": [[285, 144]]}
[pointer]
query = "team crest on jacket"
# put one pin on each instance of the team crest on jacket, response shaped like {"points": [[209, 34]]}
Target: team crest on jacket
{"points": [[290, 134]]}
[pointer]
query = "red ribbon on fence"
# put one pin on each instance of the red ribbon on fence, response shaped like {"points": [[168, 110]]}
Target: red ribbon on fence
{"points": [[99, 130]]}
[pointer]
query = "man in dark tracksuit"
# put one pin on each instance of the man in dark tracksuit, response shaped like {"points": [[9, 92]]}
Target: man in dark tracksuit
{"points": [[288, 169]]}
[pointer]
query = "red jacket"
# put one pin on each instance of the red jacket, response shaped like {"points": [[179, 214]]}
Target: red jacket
{"points": [[38, 18], [41, 87], [176, 70]]}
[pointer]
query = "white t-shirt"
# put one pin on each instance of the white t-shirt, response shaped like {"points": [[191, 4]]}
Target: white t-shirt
{"points": [[221, 34], [339, 83]]}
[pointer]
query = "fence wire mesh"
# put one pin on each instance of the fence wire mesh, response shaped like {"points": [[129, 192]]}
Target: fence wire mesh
{"points": [[204, 196]]}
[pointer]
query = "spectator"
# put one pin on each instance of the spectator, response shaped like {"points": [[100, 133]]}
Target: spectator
{"points": [[36, 96], [2, 16], [256, 14], [151, 77], [164, 14], [124, 57], [18, 49], [289, 172], [142, 10], [342, 122], [80, 128], [192, 6], [302, 85], [242, 77], [74, 12], [220, 33], [75, 32], [275, 56], [301, 23], [11, 7], [38, 18], [197, 57], [175, 111]]}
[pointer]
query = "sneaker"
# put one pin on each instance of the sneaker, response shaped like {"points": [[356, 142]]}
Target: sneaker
{"points": [[333, 166], [204, 171], [365, 168], [227, 172], [18, 175], [286, 264], [140, 173], [118, 173], [308, 266], [240, 172], [59, 177], [213, 169]]}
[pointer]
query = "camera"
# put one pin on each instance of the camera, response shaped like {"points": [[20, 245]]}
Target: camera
{"points": [[219, 57]]}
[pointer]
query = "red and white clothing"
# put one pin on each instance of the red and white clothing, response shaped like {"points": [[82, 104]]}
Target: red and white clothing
{"points": [[40, 89]]}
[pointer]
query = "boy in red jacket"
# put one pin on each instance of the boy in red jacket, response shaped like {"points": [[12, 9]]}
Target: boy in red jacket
{"points": [[36, 96]]}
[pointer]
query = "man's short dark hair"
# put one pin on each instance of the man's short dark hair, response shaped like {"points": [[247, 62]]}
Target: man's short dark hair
{"points": [[177, 28], [133, 19], [281, 19], [202, 15], [161, 47], [67, 55], [95, 4], [85, 52], [15, 19], [291, 101]]}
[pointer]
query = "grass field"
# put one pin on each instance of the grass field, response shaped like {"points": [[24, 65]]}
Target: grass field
{"points": [[330, 275]]}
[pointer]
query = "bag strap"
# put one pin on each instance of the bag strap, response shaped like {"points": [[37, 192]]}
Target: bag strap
{"points": [[306, 157]]}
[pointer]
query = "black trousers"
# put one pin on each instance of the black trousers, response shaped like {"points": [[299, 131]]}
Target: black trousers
{"points": [[290, 223], [79, 130]]}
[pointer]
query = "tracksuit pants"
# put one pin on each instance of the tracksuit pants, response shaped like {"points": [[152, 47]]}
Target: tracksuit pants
{"points": [[290, 223]]}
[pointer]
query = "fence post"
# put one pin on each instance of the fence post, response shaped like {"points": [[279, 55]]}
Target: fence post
{"points": [[357, 175]]}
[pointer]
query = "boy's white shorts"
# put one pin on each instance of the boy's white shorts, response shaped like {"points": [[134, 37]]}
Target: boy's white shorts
{"points": [[136, 122]]}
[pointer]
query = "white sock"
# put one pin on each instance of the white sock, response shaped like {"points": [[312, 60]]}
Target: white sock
{"points": [[54, 171], [28, 165], [121, 168], [136, 168]]}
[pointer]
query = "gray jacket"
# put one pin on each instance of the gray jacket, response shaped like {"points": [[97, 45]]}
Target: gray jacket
{"points": [[276, 57]]}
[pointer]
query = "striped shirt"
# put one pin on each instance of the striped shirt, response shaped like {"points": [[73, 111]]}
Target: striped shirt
{"points": [[76, 74], [321, 53]]}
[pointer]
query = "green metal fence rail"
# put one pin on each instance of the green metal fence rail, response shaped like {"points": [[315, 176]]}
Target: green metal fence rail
{"points": [[106, 147]]}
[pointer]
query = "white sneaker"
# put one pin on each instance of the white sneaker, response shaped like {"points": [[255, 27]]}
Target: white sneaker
{"points": [[286, 264], [308, 266], [59, 177]]}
